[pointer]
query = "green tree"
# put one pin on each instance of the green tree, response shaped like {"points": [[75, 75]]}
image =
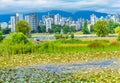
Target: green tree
{"points": [[66, 29], [85, 28], [116, 24], [6, 30], [92, 28], [50, 30], [72, 29], [117, 30], [1, 37], [57, 29], [112, 25], [23, 26], [0, 27], [101, 28], [41, 29]]}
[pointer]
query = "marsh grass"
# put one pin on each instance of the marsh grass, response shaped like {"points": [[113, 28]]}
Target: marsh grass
{"points": [[60, 58], [57, 51], [102, 76]]}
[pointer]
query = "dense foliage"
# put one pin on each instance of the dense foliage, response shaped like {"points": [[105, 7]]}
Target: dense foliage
{"points": [[16, 38], [1, 37], [117, 30], [101, 28], [85, 28], [61, 36], [23, 26], [112, 25]]}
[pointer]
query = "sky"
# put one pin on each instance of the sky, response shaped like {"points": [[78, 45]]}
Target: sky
{"points": [[13, 6]]}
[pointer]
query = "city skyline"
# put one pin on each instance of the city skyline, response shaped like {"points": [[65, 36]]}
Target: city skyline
{"points": [[13, 6], [55, 19]]}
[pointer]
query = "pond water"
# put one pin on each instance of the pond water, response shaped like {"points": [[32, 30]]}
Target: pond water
{"points": [[77, 66], [43, 73]]}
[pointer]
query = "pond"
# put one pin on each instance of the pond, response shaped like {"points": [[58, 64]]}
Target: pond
{"points": [[75, 66], [49, 72]]}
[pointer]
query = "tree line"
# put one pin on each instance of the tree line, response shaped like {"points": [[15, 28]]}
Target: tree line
{"points": [[101, 28]]}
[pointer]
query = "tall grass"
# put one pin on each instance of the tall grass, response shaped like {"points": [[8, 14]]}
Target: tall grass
{"points": [[58, 46], [50, 50]]}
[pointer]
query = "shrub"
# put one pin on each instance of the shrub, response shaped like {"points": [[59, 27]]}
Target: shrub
{"points": [[117, 30], [65, 36], [96, 44], [72, 35], [118, 38], [58, 36], [16, 38], [103, 41], [115, 44]]}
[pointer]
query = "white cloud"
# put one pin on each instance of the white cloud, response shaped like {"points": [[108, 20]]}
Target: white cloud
{"points": [[9, 6]]}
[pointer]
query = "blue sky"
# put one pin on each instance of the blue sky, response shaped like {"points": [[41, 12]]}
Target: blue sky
{"points": [[10, 6]]}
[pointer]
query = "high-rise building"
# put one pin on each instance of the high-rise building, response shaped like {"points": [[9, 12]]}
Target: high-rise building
{"points": [[3, 25], [44, 18], [108, 17], [80, 23], [14, 19], [19, 17], [93, 19], [32, 19], [57, 19], [101, 18], [62, 21], [48, 22], [69, 21], [12, 23], [117, 17]]}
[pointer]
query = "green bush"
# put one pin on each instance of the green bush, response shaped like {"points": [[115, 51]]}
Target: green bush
{"points": [[16, 38], [58, 36], [103, 41], [115, 44], [72, 36], [118, 38], [65, 36], [96, 44]]}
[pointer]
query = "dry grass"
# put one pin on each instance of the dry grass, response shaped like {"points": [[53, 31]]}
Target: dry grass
{"points": [[111, 39]]}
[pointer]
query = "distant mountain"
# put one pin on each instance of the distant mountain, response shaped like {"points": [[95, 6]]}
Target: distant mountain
{"points": [[86, 14], [5, 18], [62, 13], [79, 14]]}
